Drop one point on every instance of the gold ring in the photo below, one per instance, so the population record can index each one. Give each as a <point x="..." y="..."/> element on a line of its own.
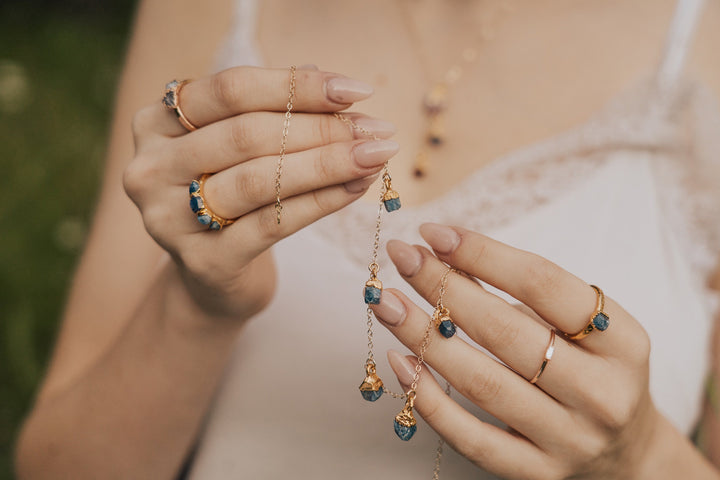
<point x="200" y="207"/>
<point x="171" y="100"/>
<point x="548" y="355"/>
<point x="599" y="320"/>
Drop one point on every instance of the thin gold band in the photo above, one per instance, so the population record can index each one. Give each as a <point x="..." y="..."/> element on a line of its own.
<point x="549" y="351"/>
<point x="172" y="101"/>
<point x="599" y="320"/>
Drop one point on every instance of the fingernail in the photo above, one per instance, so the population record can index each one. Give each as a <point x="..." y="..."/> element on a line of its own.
<point x="381" y="128"/>
<point x="308" y="66"/>
<point x="406" y="258"/>
<point x="390" y="309"/>
<point x="441" y="238"/>
<point x="347" y="90"/>
<point x="361" y="184"/>
<point x="374" y="153"/>
<point x="402" y="367"/>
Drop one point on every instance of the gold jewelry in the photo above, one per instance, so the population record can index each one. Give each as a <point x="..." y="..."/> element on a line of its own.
<point x="548" y="355"/>
<point x="200" y="207"/>
<point x="435" y="100"/>
<point x="283" y="142"/>
<point x="171" y="100"/>
<point x="599" y="320"/>
<point x="405" y="424"/>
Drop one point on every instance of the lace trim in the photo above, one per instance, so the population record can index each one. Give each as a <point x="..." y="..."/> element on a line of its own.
<point x="510" y="186"/>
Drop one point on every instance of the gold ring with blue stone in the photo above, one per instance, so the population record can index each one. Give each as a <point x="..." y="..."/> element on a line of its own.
<point x="599" y="320"/>
<point x="171" y="100"/>
<point x="200" y="207"/>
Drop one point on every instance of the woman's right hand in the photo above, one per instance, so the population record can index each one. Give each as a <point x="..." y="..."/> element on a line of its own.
<point x="239" y="114"/>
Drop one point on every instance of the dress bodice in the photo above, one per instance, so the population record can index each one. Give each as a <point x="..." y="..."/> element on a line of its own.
<point x="629" y="201"/>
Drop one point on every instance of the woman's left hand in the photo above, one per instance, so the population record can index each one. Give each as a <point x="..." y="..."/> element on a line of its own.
<point x="589" y="415"/>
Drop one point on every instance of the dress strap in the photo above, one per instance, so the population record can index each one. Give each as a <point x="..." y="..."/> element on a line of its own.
<point x="677" y="42"/>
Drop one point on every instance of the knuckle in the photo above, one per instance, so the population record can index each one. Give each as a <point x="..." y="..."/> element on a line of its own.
<point x="483" y="387"/>
<point x="325" y="162"/>
<point x="479" y="254"/>
<point x="251" y="186"/>
<point x="229" y="86"/>
<point x="242" y="133"/>
<point x="542" y="276"/>
<point x="142" y="121"/>
<point x="267" y="226"/>
<point x="137" y="177"/>
<point x="500" y="330"/>
<point x="323" y="128"/>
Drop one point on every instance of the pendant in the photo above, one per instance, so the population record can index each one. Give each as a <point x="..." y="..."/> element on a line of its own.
<point x="444" y="323"/>
<point x="405" y="423"/>
<point x="372" y="387"/>
<point x="436" y="131"/>
<point x="391" y="199"/>
<point x="421" y="164"/>
<point x="373" y="291"/>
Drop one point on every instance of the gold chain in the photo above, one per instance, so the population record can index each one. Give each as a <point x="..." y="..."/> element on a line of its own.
<point x="283" y="142"/>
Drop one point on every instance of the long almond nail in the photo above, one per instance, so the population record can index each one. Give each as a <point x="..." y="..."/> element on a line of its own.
<point x="374" y="153"/>
<point x="406" y="258"/>
<point x="441" y="238"/>
<point x="347" y="90"/>
<point x="402" y="367"/>
<point x="390" y="309"/>
<point x="361" y="184"/>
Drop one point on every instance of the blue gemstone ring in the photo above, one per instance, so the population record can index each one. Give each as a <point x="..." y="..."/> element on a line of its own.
<point x="200" y="207"/>
<point x="171" y="99"/>
<point x="599" y="320"/>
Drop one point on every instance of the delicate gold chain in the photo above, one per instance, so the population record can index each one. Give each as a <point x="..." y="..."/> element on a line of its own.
<point x="283" y="142"/>
<point x="441" y="443"/>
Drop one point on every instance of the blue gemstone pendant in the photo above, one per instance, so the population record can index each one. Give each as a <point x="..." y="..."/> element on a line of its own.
<point x="373" y="291"/>
<point x="405" y="423"/>
<point x="391" y="200"/>
<point x="372" y="387"/>
<point x="447" y="328"/>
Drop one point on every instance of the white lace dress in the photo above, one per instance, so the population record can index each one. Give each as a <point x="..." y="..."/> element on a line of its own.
<point x="629" y="201"/>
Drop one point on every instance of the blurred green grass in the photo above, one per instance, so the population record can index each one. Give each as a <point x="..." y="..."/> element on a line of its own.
<point x="59" y="64"/>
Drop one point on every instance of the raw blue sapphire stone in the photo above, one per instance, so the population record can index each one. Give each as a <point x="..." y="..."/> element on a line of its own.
<point x="447" y="328"/>
<point x="196" y="204"/>
<point x="392" y="204"/>
<point x="601" y="321"/>
<point x="372" y="295"/>
<point x="405" y="433"/>
<point x="205" y="219"/>
<point x="214" y="226"/>
<point x="372" y="395"/>
<point x="194" y="186"/>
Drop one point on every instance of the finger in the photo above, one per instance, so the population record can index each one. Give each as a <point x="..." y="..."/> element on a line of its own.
<point x="250" y="185"/>
<point x="248" y="89"/>
<point x="233" y="141"/>
<point x="560" y="298"/>
<point x="516" y="339"/>
<point x="486" y="445"/>
<point x="487" y="383"/>
<point x="255" y="232"/>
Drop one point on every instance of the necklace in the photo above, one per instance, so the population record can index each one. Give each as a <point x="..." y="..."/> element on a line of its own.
<point x="435" y="100"/>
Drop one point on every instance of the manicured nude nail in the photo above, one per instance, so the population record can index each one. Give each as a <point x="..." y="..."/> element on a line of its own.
<point x="374" y="153"/>
<point x="347" y="90"/>
<point x="390" y="309"/>
<point x="381" y="128"/>
<point x="402" y="367"/>
<point x="406" y="258"/>
<point x="361" y="184"/>
<point x="441" y="238"/>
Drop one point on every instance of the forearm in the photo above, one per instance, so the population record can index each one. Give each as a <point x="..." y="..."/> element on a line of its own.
<point x="135" y="412"/>
<point x="674" y="456"/>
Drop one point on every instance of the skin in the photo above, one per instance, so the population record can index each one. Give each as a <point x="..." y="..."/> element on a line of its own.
<point x="155" y="335"/>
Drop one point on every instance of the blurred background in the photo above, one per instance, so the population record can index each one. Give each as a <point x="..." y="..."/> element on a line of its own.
<point x="59" y="62"/>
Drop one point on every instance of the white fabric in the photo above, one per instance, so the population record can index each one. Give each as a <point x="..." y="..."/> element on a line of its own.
<point x="624" y="201"/>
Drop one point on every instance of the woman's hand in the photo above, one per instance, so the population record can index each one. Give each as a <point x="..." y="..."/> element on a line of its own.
<point x="240" y="115"/>
<point x="589" y="415"/>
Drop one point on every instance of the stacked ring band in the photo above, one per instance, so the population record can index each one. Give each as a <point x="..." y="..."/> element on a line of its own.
<point x="599" y="320"/>
<point x="171" y="100"/>
<point x="200" y="207"/>
<point x="548" y="355"/>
